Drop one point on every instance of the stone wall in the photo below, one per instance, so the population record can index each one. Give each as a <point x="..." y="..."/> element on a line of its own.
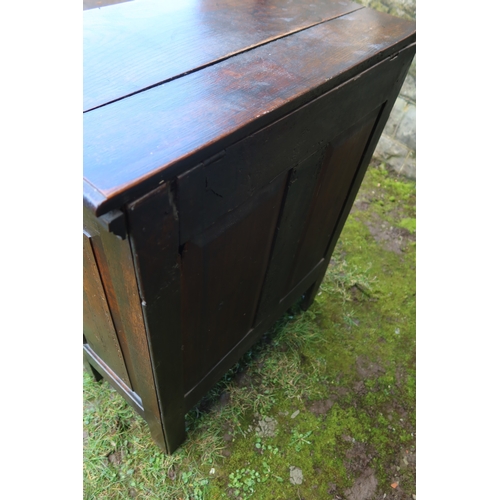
<point x="397" y="146"/>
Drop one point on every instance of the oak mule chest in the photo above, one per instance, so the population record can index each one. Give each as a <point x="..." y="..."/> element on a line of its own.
<point x="224" y="143"/>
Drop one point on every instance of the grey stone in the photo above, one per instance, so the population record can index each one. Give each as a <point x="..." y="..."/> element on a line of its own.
<point x="409" y="89"/>
<point x="296" y="476"/>
<point x="413" y="68"/>
<point x="409" y="168"/>
<point x="397" y="145"/>
<point x="266" y="427"/>
<point x="406" y="132"/>
<point x="395" y="117"/>
<point x="391" y="152"/>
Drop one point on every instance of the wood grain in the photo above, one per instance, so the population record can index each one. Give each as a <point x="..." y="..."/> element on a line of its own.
<point x="98" y="325"/>
<point x="223" y="182"/>
<point x="222" y="274"/>
<point x="342" y="158"/>
<point x="308" y="286"/>
<point x="153" y="229"/>
<point x="114" y="259"/>
<point x="298" y="199"/>
<point x="136" y="45"/>
<point x="98" y="365"/>
<point x="131" y="145"/>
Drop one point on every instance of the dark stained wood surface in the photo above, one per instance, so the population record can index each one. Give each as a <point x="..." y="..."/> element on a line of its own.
<point x="96" y="363"/>
<point x="404" y="60"/>
<point x="153" y="228"/>
<point x="136" y="45"/>
<point x="133" y="144"/>
<point x="341" y="162"/>
<point x="114" y="260"/>
<point x="301" y="185"/>
<point x="107" y="262"/>
<point x="98" y="328"/>
<point x="230" y="140"/>
<point x="193" y="396"/>
<point x="223" y="182"/>
<point x="222" y="273"/>
<point x="385" y="82"/>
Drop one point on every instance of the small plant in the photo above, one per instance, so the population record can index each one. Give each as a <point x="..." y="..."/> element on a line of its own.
<point x="195" y="488"/>
<point x="269" y="448"/>
<point x="300" y="439"/>
<point x="267" y="472"/>
<point x="243" y="482"/>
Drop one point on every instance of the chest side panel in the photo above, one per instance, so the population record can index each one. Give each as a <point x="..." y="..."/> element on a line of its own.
<point x="98" y="327"/>
<point x="114" y="261"/>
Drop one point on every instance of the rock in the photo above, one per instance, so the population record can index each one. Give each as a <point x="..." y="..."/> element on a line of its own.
<point x="395" y="117"/>
<point x="116" y="457"/>
<point x="406" y="132"/>
<point x="409" y="89"/>
<point x="296" y="476"/>
<point x="409" y="168"/>
<point x="391" y="152"/>
<point x="266" y="427"/>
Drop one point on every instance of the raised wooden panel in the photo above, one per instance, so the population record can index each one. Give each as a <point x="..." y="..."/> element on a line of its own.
<point x="98" y="327"/>
<point x="222" y="274"/>
<point x="298" y="197"/>
<point x="317" y="190"/>
<point x="342" y="158"/>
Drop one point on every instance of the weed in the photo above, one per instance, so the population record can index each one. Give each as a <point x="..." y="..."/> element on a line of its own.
<point x="299" y="439"/>
<point x="243" y="482"/>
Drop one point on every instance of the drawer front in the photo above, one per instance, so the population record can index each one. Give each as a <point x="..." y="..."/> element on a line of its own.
<point x="98" y="329"/>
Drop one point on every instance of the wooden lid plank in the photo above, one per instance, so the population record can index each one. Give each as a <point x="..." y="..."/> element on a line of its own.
<point x="135" y="45"/>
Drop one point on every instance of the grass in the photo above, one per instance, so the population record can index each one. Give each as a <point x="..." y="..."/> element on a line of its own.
<point x="329" y="391"/>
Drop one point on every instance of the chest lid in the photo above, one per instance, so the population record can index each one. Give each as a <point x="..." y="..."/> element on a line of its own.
<point x="136" y="45"/>
<point x="164" y="81"/>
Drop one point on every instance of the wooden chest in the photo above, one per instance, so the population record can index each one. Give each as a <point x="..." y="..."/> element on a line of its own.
<point x="224" y="145"/>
